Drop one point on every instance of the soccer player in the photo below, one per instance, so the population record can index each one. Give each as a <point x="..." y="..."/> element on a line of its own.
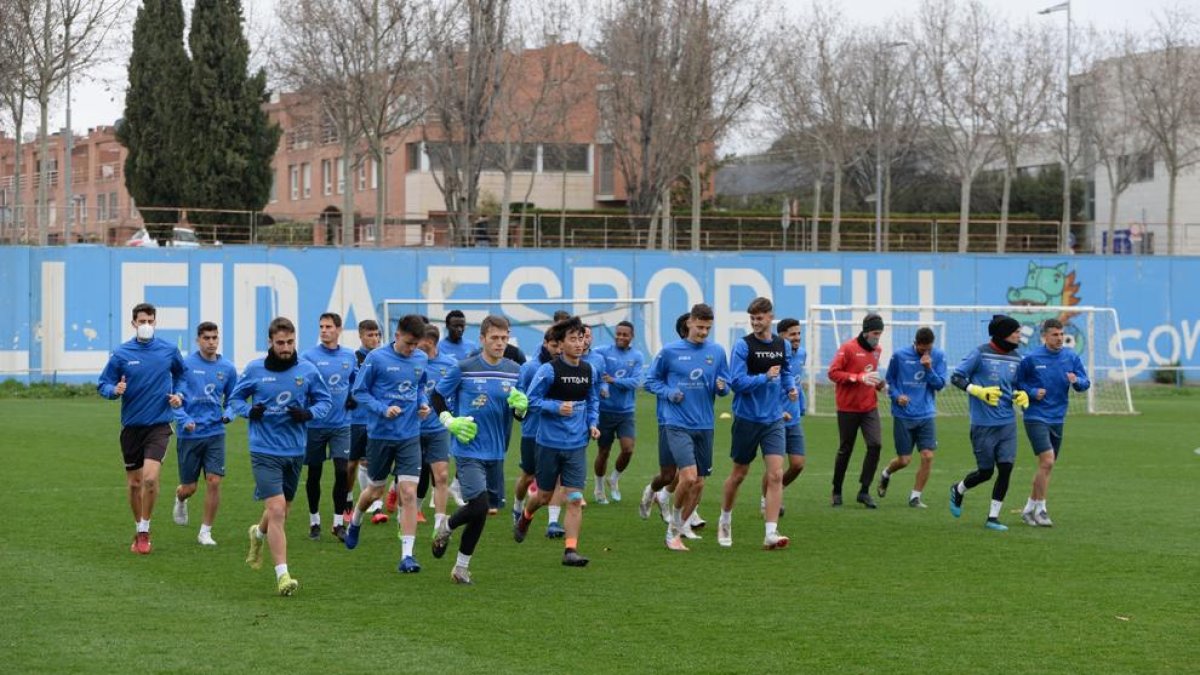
<point x="391" y="385"/>
<point x="476" y="402"/>
<point x="279" y="394"/>
<point x="989" y="375"/>
<point x="551" y="346"/>
<point x="200" y="423"/>
<point x="914" y="377"/>
<point x="687" y="376"/>
<point x="454" y="345"/>
<point x="368" y="339"/>
<point x="435" y="439"/>
<point x="656" y="491"/>
<point x="565" y="392"/>
<point x="1050" y="372"/>
<point x="337" y="366"/>
<point x="147" y="374"/>
<point x="620" y="381"/>
<point x="855" y="374"/>
<point x="761" y="370"/>
<point x="793" y="411"/>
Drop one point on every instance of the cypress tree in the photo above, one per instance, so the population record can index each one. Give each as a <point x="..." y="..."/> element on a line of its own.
<point x="156" y="115"/>
<point x="232" y="140"/>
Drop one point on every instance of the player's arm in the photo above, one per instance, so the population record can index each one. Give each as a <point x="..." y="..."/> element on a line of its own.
<point x="893" y="377"/>
<point x="1082" y="381"/>
<point x="227" y="395"/>
<point x="181" y="415"/>
<point x="112" y="375"/>
<point x="242" y="394"/>
<point x="786" y="382"/>
<point x="445" y="390"/>
<point x="723" y="375"/>
<point x="742" y="381"/>
<point x="362" y="389"/>
<point x="320" y="401"/>
<point x="178" y="374"/>
<point x="961" y="377"/>
<point x="593" y="402"/>
<point x="633" y="378"/>
<point x="540" y="387"/>
<point x="656" y="377"/>
<point x="837" y="369"/>
<point x="935" y="377"/>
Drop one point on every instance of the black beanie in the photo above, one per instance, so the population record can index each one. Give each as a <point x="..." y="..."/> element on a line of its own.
<point x="872" y="322"/>
<point x="1001" y="326"/>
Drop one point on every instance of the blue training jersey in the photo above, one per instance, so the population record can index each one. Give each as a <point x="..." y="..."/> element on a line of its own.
<point x="529" y="425"/>
<point x="456" y="351"/>
<point x="299" y="386"/>
<point x="798" y="407"/>
<point x="388" y="379"/>
<point x="684" y="368"/>
<point x="337" y="367"/>
<point x="439" y="366"/>
<point x="625" y="366"/>
<point x="756" y="397"/>
<point x="988" y="367"/>
<point x="480" y="390"/>
<point x="360" y="415"/>
<point x="153" y="370"/>
<point x="906" y="375"/>
<point x="208" y="391"/>
<point x="1046" y="369"/>
<point x="553" y="384"/>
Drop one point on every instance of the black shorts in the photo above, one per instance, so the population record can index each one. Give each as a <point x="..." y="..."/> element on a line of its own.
<point x="139" y="444"/>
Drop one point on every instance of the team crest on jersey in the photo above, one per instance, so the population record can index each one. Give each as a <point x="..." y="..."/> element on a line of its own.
<point x="506" y="387"/>
<point x="479" y="401"/>
<point x="417" y="371"/>
<point x="708" y="360"/>
<point x="300" y="381"/>
<point x="345" y="365"/>
<point x="220" y="375"/>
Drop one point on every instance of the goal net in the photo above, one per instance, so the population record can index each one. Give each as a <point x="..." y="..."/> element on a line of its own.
<point x="529" y="318"/>
<point x="1091" y="331"/>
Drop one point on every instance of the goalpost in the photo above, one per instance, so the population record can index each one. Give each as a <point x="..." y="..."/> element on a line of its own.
<point x="530" y="318"/>
<point x="1091" y="331"/>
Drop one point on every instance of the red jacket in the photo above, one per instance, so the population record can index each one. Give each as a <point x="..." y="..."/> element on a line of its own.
<point x="847" y="369"/>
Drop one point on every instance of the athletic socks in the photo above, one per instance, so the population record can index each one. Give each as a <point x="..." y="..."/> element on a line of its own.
<point x="143" y="526"/>
<point x="439" y="518"/>
<point x="961" y="488"/>
<point x="1030" y="506"/>
<point x="338" y="520"/>
<point x="259" y="534"/>
<point x="726" y="516"/>
<point x="614" y="476"/>
<point x="772" y="528"/>
<point x="916" y="494"/>
<point x="406" y="545"/>
<point x="677" y="517"/>
<point x="886" y="474"/>
<point x="463" y="560"/>
<point x="314" y="519"/>
<point x="356" y="517"/>
<point x="554" y="511"/>
<point x="280" y="570"/>
<point x="205" y="529"/>
<point x="518" y="505"/>
<point x="994" y="512"/>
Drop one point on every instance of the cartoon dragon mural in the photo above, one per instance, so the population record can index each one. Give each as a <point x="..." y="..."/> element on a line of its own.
<point x="1048" y="286"/>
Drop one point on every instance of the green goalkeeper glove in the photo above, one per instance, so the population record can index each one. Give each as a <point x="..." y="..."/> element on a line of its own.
<point x="518" y="401"/>
<point x="1021" y="398"/>
<point x="462" y="428"/>
<point x="989" y="395"/>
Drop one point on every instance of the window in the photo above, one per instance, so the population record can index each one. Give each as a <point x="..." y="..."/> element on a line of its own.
<point x="101" y="207"/>
<point x="517" y="156"/>
<point x="306" y="173"/>
<point x="374" y="174"/>
<point x="112" y="206"/>
<point x="341" y="175"/>
<point x="608" y="169"/>
<point x="1139" y="168"/>
<point x="572" y="157"/>
<point x="362" y="173"/>
<point x="294" y="171"/>
<point x="327" y="176"/>
<point x="412" y="157"/>
<point x="274" y="196"/>
<point x="440" y="152"/>
<point x="81" y="203"/>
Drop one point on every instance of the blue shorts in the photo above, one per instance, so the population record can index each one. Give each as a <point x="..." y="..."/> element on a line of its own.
<point x="275" y="475"/>
<point x="665" y="458"/>
<point x="194" y="453"/>
<point x="568" y="467"/>
<point x="337" y="439"/>
<point x="994" y="445"/>
<point x="1044" y="436"/>
<point x="435" y="447"/>
<point x="748" y="437"/>
<point x="909" y="434"/>
<point x="358" y="442"/>
<point x="794" y="439"/>
<point x="472" y="475"/>
<point x="614" y="425"/>
<point x="691" y="447"/>
<point x="495" y="484"/>
<point x="382" y="454"/>
<point x="528" y="455"/>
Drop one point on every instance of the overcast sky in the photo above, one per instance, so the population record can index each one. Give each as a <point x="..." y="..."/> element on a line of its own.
<point x="99" y="99"/>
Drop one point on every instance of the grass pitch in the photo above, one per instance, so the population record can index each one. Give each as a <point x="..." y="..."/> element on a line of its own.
<point x="1112" y="588"/>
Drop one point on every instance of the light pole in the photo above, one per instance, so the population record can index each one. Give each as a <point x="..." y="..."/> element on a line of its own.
<point x="1064" y="234"/>
<point x="879" y="143"/>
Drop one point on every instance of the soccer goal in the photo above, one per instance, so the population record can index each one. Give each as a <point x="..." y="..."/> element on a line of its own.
<point x="530" y="318"/>
<point x="1091" y="331"/>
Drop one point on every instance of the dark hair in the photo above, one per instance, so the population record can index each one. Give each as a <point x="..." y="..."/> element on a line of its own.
<point x="143" y="308"/>
<point x="760" y="306"/>
<point x="701" y="312"/>
<point x="492" y="321"/>
<point x="1051" y="323"/>
<point x="432" y="333"/>
<point x="681" y="328"/>
<point x="561" y="315"/>
<point x="924" y="336"/>
<point x="626" y="324"/>
<point x="280" y="324"/>
<point x="561" y="329"/>
<point x="411" y="324"/>
<point x="548" y="336"/>
<point x="368" y="325"/>
<point x="205" y="327"/>
<point x="332" y="316"/>
<point x="786" y="324"/>
<point x="454" y="314"/>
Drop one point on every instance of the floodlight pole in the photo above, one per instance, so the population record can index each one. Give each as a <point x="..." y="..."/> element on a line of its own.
<point x="1064" y="234"/>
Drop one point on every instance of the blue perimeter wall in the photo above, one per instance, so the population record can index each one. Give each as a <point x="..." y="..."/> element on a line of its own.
<point x="63" y="309"/>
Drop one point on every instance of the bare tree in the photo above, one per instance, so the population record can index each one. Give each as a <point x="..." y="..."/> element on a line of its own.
<point x="1022" y="84"/>
<point x="1164" y="85"/>
<point x="955" y="40"/>
<point x="14" y="64"/>
<point x="462" y="87"/>
<point x="61" y="37"/>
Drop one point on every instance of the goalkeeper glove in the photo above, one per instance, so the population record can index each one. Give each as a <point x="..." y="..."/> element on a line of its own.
<point x="871" y="378"/>
<point x="518" y="401"/>
<point x="462" y="428"/>
<point x="989" y="395"/>
<point x="1021" y="398"/>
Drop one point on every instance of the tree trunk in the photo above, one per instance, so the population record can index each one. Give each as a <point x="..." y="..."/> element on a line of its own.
<point x="1064" y="234"/>
<point x="380" y="195"/>
<point x="652" y="233"/>
<point x="887" y="206"/>
<point x="696" y="198"/>
<point x="347" y="191"/>
<point x="18" y="197"/>
<point x="1005" y="194"/>
<point x="562" y="210"/>
<point x="1113" y="198"/>
<point x="505" y="209"/>
<point x="668" y="226"/>
<point x="524" y="202"/>
<point x="835" y="224"/>
<point x="43" y="203"/>
<point x="816" y="217"/>
<point x="1172" y="180"/>
<point x="964" y="212"/>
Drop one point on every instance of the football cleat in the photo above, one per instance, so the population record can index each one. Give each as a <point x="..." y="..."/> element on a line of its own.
<point x="441" y="541"/>
<point x="1029" y="519"/>
<point x="555" y="531"/>
<point x="883" y="485"/>
<point x="956" y="501"/>
<point x="408" y="565"/>
<point x="866" y="500"/>
<point x="286" y="585"/>
<point x="1043" y="519"/>
<point x="644" y="504"/>
<point x="254" y="555"/>
<point x="205" y="539"/>
<point x="461" y="575"/>
<point x="351" y="539"/>
<point x="775" y="541"/>
<point x="725" y="534"/>
<point x="573" y="559"/>
<point x="614" y="490"/>
<point x="995" y="524"/>
<point x="380" y="517"/>
<point x="339" y="531"/>
<point x="916" y="503"/>
<point x="676" y="544"/>
<point x="180" y="512"/>
<point x="314" y="531"/>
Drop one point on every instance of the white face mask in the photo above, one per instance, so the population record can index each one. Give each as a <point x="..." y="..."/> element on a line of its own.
<point x="873" y="341"/>
<point x="145" y="332"/>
